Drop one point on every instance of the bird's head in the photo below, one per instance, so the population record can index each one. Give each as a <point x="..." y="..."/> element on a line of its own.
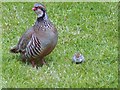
<point x="39" y="9"/>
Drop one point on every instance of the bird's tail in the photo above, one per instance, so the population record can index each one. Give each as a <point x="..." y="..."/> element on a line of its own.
<point x="14" y="50"/>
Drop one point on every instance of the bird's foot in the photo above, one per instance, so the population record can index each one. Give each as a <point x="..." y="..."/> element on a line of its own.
<point x="43" y="62"/>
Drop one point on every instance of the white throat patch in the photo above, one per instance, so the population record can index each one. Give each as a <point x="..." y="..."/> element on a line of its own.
<point x="39" y="12"/>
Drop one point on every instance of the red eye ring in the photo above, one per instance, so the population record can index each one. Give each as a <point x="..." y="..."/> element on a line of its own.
<point x="39" y="7"/>
<point x="35" y="8"/>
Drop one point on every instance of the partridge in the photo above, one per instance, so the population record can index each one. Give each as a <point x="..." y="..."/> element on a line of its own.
<point x="78" y="58"/>
<point x="39" y="40"/>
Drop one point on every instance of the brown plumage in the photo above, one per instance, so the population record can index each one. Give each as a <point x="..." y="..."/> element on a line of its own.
<point x="39" y="40"/>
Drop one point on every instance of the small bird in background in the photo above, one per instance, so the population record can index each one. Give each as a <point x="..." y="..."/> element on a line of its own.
<point x="38" y="41"/>
<point x="78" y="58"/>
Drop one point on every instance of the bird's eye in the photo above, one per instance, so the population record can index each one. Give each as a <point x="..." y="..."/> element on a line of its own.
<point x="39" y="7"/>
<point x="36" y="7"/>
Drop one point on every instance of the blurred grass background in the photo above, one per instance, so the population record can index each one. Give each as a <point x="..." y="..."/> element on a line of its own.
<point x="88" y="27"/>
<point x="0" y="46"/>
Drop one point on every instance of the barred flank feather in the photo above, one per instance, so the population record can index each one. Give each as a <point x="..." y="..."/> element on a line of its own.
<point x="33" y="48"/>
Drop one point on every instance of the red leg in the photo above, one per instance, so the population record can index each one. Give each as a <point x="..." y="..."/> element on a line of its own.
<point x="33" y="63"/>
<point x="43" y="62"/>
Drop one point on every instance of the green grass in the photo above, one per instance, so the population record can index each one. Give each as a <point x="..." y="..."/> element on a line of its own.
<point x="90" y="28"/>
<point x="0" y="46"/>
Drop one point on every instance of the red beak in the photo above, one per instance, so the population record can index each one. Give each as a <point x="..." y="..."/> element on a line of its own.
<point x="34" y="8"/>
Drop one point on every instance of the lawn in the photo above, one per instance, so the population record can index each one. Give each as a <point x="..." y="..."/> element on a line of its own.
<point x="90" y="28"/>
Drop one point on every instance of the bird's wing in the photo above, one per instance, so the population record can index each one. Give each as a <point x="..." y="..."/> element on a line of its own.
<point x="24" y="40"/>
<point x="33" y="48"/>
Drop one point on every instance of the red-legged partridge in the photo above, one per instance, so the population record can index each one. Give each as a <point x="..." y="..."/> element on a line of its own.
<point x="39" y="40"/>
